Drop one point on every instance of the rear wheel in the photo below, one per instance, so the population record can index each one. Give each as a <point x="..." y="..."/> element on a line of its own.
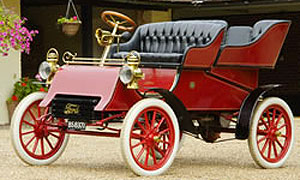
<point x="35" y="138"/>
<point x="150" y="137"/>
<point x="271" y="135"/>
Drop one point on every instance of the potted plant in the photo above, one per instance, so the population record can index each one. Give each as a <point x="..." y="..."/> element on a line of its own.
<point x="70" y="26"/>
<point x="13" y="33"/>
<point x="22" y="88"/>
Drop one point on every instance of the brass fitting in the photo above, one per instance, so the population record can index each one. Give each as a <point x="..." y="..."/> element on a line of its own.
<point x="104" y="38"/>
<point x="52" y="59"/>
<point x="133" y="61"/>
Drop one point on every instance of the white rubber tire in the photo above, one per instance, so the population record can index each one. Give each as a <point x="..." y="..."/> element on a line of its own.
<point x="252" y="140"/>
<point x="125" y="136"/>
<point x="15" y="133"/>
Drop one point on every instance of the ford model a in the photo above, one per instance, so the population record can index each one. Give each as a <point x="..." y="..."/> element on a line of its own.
<point x="194" y="77"/>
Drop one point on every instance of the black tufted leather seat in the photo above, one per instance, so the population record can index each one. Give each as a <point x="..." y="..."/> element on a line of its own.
<point x="167" y="42"/>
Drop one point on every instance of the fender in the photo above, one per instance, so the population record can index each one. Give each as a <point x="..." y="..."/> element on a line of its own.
<point x="184" y="118"/>
<point x="248" y="108"/>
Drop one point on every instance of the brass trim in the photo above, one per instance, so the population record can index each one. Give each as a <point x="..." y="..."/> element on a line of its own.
<point x="70" y="58"/>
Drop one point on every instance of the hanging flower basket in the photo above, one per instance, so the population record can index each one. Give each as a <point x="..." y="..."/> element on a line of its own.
<point x="70" y="26"/>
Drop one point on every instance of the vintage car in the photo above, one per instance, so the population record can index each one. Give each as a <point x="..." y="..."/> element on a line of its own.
<point x="195" y="77"/>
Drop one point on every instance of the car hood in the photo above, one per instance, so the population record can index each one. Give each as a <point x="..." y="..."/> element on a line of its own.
<point x="82" y="80"/>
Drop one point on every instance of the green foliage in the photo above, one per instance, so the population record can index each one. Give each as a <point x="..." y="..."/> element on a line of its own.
<point x="63" y="20"/>
<point x="24" y="87"/>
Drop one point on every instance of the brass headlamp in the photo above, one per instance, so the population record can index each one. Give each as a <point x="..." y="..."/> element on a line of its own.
<point x="131" y="73"/>
<point x="49" y="67"/>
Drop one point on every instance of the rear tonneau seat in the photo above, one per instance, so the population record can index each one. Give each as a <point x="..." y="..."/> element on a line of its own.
<point x="257" y="46"/>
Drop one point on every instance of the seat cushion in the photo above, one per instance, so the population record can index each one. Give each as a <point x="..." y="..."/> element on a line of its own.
<point x="154" y="57"/>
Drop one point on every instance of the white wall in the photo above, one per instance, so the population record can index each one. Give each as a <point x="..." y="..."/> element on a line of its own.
<point x="10" y="70"/>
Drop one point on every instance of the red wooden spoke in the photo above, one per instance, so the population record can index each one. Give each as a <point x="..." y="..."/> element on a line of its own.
<point x="147" y="156"/>
<point x="28" y="123"/>
<point x="275" y="149"/>
<point x="278" y="142"/>
<point x="35" y="144"/>
<point x="39" y="110"/>
<point x="164" y="145"/>
<point x="49" y="143"/>
<point x="262" y="132"/>
<point x="153" y="155"/>
<point x="140" y="153"/>
<point x="268" y="117"/>
<point x="160" y="123"/>
<point x="136" y="136"/>
<point x="278" y="119"/>
<point x="270" y="148"/>
<point x="32" y="116"/>
<point x="261" y="140"/>
<point x="264" y="123"/>
<point x="42" y="147"/>
<point x="147" y="125"/>
<point x="141" y="126"/>
<point x="27" y="144"/>
<point x="153" y="119"/>
<point x="274" y="115"/>
<point x="54" y="135"/>
<point x="282" y="126"/>
<point x="136" y="145"/>
<point x="159" y="150"/>
<point x="50" y="119"/>
<point x="265" y="145"/>
<point x="284" y="136"/>
<point x="28" y="132"/>
<point x="165" y="142"/>
<point x="163" y="131"/>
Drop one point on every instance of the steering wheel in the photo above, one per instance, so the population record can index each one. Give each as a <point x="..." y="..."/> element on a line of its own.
<point x="113" y="18"/>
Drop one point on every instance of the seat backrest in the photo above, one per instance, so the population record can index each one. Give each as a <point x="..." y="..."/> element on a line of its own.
<point x="175" y="37"/>
<point x="238" y="35"/>
<point x="262" y="26"/>
<point x="244" y="35"/>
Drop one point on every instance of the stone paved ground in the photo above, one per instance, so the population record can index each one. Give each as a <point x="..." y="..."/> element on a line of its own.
<point x="100" y="158"/>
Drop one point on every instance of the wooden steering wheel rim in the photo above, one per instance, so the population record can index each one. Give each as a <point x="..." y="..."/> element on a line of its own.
<point x="104" y="17"/>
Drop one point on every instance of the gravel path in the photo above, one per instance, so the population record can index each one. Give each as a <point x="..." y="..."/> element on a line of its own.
<point x="100" y="158"/>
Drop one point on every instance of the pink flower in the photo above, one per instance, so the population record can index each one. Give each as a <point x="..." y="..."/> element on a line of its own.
<point x="38" y="77"/>
<point x="75" y="18"/>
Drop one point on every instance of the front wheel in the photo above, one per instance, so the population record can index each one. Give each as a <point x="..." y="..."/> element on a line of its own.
<point x="36" y="136"/>
<point x="271" y="135"/>
<point x="150" y="137"/>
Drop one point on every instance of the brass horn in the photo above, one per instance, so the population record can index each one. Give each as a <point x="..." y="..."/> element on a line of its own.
<point x="104" y="38"/>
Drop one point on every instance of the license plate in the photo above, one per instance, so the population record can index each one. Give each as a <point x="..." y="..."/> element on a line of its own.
<point x="76" y="125"/>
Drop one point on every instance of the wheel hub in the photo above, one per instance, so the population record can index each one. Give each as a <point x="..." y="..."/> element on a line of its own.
<point x="151" y="140"/>
<point x="41" y="131"/>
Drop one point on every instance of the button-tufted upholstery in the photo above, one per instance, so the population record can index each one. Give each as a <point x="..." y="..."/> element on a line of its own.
<point x="168" y="41"/>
